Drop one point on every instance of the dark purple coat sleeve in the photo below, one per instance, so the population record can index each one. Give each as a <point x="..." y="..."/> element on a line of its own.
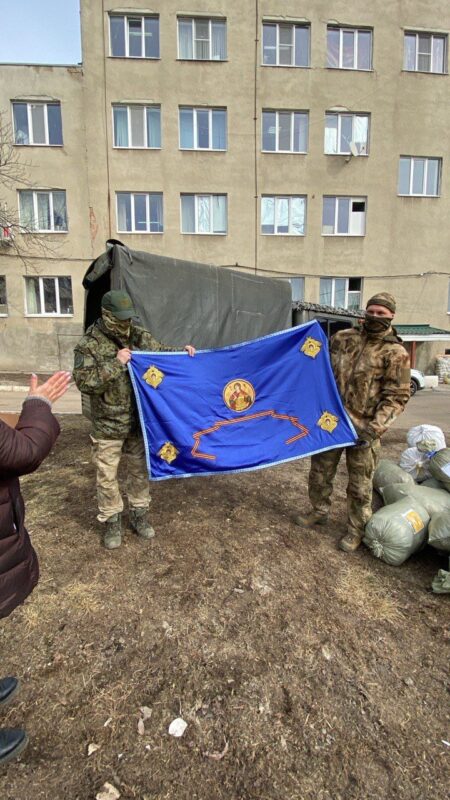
<point x="22" y="449"/>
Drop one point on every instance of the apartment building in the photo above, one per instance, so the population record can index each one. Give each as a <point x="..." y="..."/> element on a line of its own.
<point x="302" y="140"/>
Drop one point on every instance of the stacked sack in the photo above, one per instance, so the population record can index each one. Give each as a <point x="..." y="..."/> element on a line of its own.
<point x="413" y="514"/>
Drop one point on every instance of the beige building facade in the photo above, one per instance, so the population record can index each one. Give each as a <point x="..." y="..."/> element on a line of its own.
<point x="301" y="140"/>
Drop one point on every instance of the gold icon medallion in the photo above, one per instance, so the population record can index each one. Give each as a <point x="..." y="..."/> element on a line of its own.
<point x="239" y="395"/>
<point x="311" y="347"/>
<point x="153" y="376"/>
<point x="328" y="422"/>
<point x="168" y="452"/>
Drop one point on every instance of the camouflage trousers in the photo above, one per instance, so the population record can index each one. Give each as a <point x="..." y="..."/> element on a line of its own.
<point x="361" y="463"/>
<point x="106" y="455"/>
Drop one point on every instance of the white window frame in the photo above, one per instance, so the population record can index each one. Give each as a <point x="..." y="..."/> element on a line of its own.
<point x="50" y="192"/>
<point x="356" y="31"/>
<point x="41" y="278"/>
<point x="347" y="292"/>
<point x="144" y="108"/>
<point x="195" y="110"/>
<point x="336" y="213"/>
<point x="293" y="26"/>
<point x="31" y="143"/>
<point x="433" y="36"/>
<point x="4" y="313"/>
<point x="277" y="132"/>
<point x="425" y="176"/>
<point x="197" y="197"/>
<point x="340" y="115"/>
<point x="127" y="18"/>
<point x="289" y="197"/>
<point x="192" y="20"/>
<point x="147" y="196"/>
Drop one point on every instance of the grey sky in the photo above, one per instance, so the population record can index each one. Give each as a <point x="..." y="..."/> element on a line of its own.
<point x="40" y="31"/>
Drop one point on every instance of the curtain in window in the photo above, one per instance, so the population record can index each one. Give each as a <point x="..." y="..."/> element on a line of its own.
<point x="286" y="44"/>
<point x="282" y="215"/>
<point x="186" y="128"/>
<point x="438" y="54"/>
<point x="418" y="175"/>
<point x="269" y="122"/>
<point x="332" y="47"/>
<point x="121" y="126"/>
<point x="300" y="133"/>
<point x="154" y="127"/>
<point x="409" y="61"/>
<point x="361" y="133"/>
<point x="38" y="123"/>
<point x="65" y="295"/>
<point x="26" y="210"/>
<point x="43" y="211"/>
<point x="21" y="123"/>
<point x="364" y="49"/>
<point x="156" y="213"/>
<point x="297" y="216"/>
<point x="328" y="214"/>
<point x="424" y="61"/>
<point x="269" y="44"/>
<point x="346" y="134"/>
<point x="301" y="46"/>
<point x="137" y="126"/>
<point x="219" y="130"/>
<point x="135" y="38"/>
<point x="404" y="175"/>
<point x="123" y="211"/>
<point x="268" y="215"/>
<point x="432" y="187"/>
<point x="203" y="214"/>
<point x="325" y="290"/>
<point x="185" y="38"/>
<point x="284" y="130"/>
<point x="59" y="211"/>
<point x="297" y="287"/>
<point x="202" y="129"/>
<point x="33" y="296"/>
<point x="343" y="214"/>
<point x="331" y="128"/>
<point x="219" y="208"/>
<point x="49" y="285"/>
<point x="151" y="37"/>
<point x="117" y="33"/>
<point x="201" y="39"/>
<point x="188" y="213"/>
<point x="348" y="49"/>
<point x="339" y="292"/>
<point x="140" y="213"/>
<point x="219" y="41"/>
<point x="54" y="124"/>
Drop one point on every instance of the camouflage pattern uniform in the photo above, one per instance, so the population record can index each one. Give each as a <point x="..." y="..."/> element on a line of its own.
<point x="373" y="377"/>
<point x="116" y="429"/>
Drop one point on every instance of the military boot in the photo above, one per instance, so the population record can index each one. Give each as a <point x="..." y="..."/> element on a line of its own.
<point x="309" y="520"/>
<point x="351" y="541"/>
<point x="112" y="537"/>
<point x="140" y="524"/>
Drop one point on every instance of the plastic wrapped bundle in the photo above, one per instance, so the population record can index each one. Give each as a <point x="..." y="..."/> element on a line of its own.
<point x="439" y="531"/>
<point x="417" y="464"/>
<point x="433" y="500"/>
<point x="397" y="531"/>
<point x="427" y="438"/>
<point x="440" y="467"/>
<point x="387" y="472"/>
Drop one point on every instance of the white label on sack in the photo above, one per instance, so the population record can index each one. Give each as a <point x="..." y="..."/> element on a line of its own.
<point x="414" y="520"/>
<point x="446" y="470"/>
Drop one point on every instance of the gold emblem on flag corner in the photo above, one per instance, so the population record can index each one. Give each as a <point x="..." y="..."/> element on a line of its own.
<point x="328" y="421"/>
<point x="168" y="452"/>
<point x="239" y="395"/>
<point x="153" y="376"/>
<point x="311" y="347"/>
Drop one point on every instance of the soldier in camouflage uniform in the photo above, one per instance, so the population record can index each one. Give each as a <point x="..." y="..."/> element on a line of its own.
<point x="372" y="373"/>
<point x="100" y="370"/>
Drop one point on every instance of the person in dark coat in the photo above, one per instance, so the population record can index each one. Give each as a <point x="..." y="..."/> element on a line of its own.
<point x="22" y="449"/>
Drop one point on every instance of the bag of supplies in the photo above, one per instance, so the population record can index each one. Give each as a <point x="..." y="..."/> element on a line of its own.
<point x="397" y="531"/>
<point x="387" y="473"/>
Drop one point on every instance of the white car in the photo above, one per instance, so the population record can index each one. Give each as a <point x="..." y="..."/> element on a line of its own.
<point x="417" y="381"/>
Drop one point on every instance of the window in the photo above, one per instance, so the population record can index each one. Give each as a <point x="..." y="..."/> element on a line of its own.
<point x="3" y="298"/>
<point x="285" y="45"/>
<point x="420" y="177"/>
<point x="344" y="216"/>
<point x="283" y="215"/>
<point x="343" y="129"/>
<point x="204" y="213"/>
<point x="341" y="292"/>
<point x="448" y="300"/>
<point x="297" y="288"/>
<point x="140" y="212"/>
<point x="137" y="126"/>
<point x="134" y="36"/>
<point x="43" y="211"/>
<point x="37" y="123"/>
<point x="202" y="39"/>
<point x="48" y="297"/>
<point x="203" y="128"/>
<point x="349" y="48"/>
<point x="425" y="52"/>
<point x="285" y="131"/>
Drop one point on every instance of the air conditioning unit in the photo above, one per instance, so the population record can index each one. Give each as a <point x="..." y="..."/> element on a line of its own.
<point x="6" y="234"/>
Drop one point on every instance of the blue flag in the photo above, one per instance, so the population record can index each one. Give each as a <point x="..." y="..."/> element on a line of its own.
<point x="241" y="407"/>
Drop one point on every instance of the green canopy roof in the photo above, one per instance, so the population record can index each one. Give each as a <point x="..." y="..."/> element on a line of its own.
<point x="420" y="330"/>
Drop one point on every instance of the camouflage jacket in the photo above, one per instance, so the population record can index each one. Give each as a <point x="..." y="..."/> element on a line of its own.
<point x="98" y="373"/>
<point x="373" y="377"/>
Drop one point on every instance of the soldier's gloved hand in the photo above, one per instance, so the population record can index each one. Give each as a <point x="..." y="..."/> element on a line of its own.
<point x="124" y="355"/>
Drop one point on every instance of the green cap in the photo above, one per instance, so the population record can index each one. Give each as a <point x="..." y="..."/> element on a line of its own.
<point x="119" y="303"/>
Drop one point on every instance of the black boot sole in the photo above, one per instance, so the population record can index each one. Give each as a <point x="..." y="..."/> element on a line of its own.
<point x="15" y="752"/>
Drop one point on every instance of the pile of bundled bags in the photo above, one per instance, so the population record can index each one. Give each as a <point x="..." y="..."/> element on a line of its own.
<point x="416" y="498"/>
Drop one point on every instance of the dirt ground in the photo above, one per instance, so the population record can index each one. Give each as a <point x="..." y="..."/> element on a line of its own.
<point x="303" y="673"/>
